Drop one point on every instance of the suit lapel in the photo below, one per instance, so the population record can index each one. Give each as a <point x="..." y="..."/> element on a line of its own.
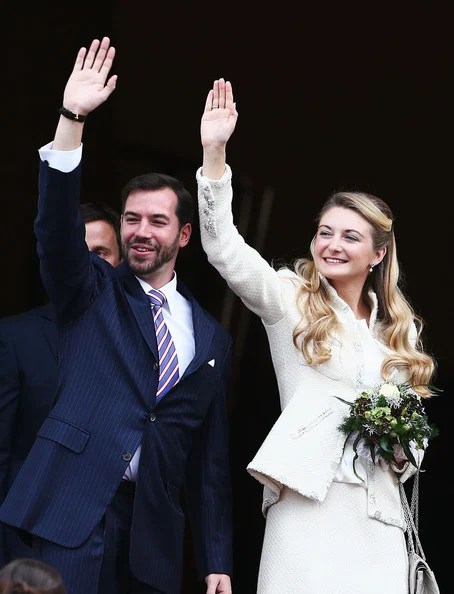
<point x="140" y="306"/>
<point x="203" y="331"/>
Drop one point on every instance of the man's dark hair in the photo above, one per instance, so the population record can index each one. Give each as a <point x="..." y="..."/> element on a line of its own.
<point x="158" y="181"/>
<point x="100" y="211"/>
<point x="31" y="576"/>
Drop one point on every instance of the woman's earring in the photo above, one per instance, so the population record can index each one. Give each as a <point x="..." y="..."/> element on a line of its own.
<point x="371" y="267"/>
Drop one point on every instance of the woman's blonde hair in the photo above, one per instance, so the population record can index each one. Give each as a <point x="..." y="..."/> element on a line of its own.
<point x="395" y="317"/>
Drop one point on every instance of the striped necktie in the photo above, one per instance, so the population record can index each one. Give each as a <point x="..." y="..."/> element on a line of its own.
<point x="168" y="360"/>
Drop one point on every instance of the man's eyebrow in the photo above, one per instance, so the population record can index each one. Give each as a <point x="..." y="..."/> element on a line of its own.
<point x="156" y="215"/>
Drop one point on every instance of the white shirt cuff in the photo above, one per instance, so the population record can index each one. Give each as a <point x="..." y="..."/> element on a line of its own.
<point x="64" y="161"/>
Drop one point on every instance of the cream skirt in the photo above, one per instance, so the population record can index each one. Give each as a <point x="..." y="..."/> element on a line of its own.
<point x="331" y="547"/>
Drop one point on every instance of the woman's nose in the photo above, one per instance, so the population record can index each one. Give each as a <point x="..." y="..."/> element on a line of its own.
<point x="334" y="246"/>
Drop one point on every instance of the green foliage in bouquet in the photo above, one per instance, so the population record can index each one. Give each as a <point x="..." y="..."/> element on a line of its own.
<point x="385" y="417"/>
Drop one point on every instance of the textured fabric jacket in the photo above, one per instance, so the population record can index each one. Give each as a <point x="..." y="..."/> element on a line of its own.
<point x="304" y="447"/>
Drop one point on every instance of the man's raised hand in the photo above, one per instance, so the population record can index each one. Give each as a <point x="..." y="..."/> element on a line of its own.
<point x="89" y="84"/>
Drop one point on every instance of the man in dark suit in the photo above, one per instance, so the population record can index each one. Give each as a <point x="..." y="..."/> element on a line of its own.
<point x="133" y="425"/>
<point x="29" y="369"/>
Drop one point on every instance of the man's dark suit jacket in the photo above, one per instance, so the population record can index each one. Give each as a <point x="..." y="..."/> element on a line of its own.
<point x="106" y="406"/>
<point x="28" y="380"/>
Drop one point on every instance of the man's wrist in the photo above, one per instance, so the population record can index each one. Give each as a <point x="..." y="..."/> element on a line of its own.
<point x="72" y="115"/>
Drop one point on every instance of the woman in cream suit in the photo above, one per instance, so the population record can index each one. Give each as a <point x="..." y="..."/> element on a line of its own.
<point x="337" y="323"/>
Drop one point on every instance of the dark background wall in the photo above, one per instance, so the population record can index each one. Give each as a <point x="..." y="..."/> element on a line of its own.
<point x="329" y="97"/>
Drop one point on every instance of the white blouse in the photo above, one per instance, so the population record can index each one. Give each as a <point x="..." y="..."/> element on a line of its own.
<point x="370" y="377"/>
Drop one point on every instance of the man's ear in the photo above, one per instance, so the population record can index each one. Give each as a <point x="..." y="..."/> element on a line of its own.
<point x="185" y="234"/>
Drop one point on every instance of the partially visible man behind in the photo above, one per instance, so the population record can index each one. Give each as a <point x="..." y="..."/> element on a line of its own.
<point x="102" y="231"/>
<point x="29" y="370"/>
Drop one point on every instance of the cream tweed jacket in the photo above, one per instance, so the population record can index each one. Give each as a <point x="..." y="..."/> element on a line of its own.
<point x="304" y="447"/>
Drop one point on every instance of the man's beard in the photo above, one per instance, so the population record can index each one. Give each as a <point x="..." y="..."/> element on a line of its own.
<point x="144" y="268"/>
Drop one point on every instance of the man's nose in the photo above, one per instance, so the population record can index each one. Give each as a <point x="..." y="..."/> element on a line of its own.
<point x="144" y="229"/>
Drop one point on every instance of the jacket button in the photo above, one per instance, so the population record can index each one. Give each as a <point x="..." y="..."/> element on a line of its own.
<point x="152" y="416"/>
<point x="155" y="366"/>
<point x="127" y="456"/>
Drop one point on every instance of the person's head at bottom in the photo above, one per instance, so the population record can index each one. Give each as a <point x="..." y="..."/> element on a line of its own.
<point x="30" y="576"/>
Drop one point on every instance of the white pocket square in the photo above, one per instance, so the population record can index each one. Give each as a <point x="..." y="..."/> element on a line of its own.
<point x="211" y="362"/>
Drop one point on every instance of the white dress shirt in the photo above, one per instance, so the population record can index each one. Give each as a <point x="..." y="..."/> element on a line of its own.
<point x="177" y="314"/>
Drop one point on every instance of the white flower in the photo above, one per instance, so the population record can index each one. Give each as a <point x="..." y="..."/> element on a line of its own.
<point x="390" y="392"/>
